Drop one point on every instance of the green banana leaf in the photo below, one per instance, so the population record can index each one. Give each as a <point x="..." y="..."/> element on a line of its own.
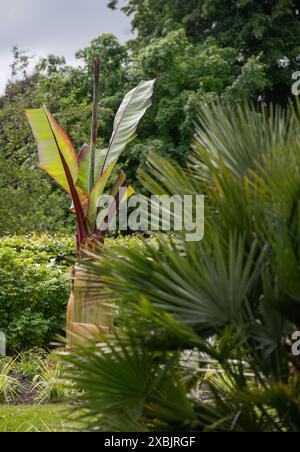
<point x="131" y="111"/>
<point x="51" y="141"/>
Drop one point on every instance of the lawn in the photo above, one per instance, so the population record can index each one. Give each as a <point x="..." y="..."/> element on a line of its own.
<point x="32" y="418"/>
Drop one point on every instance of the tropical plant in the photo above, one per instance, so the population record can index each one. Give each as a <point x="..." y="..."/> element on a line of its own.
<point x="27" y="364"/>
<point x="85" y="178"/>
<point x="225" y="308"/>
<point x="187" y="73"/>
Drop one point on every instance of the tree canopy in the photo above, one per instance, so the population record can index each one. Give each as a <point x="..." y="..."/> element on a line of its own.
<point x="270" y="28"/>
<point x="245" y="50"/>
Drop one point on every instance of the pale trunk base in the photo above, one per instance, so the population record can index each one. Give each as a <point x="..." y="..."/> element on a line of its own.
<point x="88" y="315"/>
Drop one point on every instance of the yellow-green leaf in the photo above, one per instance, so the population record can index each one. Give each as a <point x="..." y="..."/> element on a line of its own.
<point x="84" y="166"/>
<point x="97" y="191"/>
<point x="51" y="139"/>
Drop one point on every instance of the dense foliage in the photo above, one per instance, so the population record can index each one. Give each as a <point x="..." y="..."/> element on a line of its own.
<point x="189" y="70"/>
<point x="28" y="201"/>
<point x="34" y="286"/>
<point x="203" y="330"/>
<point x="204" y="339"/>
<point x="33" y="289"/>
<point x="267" y="28"/>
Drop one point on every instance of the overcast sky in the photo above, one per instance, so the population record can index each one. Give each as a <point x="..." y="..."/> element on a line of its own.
<point x="60" y="27"/>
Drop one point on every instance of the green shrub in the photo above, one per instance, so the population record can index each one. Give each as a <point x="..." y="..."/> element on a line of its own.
<point x="34" y="288"/>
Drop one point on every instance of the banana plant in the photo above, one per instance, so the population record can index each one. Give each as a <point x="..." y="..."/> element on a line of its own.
<point x="85" y="177"/>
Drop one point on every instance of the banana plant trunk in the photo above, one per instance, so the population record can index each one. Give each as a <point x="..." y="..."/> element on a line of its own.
<point x="88" y="313"/>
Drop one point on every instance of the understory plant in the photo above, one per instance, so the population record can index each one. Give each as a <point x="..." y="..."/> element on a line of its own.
<point x="204" y="340"/>
<point x="34" y="293"/>
<point x="85" y="177"/>
<point x="34" y="290"/>
<point x="49" y="384"/>
<point x="9" y="385"/>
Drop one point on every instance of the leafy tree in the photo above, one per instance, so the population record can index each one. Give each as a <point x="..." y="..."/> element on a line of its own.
<point x="187" y="74"/>
<point x="28" y="201"/>
<point x="253" y="27"/>
<point x="172" y="15"/>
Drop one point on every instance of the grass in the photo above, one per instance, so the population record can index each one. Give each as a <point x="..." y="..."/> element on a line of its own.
<point x="32" y="418"/>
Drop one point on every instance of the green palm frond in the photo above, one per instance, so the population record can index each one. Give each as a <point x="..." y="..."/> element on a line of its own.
<point x="203" y="285"/>
<point x="232" y="299"/>
<point x="240" y="137"/>
<point x="124" y="383"/>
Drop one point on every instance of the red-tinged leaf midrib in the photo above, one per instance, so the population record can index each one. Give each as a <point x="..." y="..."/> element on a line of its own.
<point x="59" y="131"/>
<point x="75" y="197"/>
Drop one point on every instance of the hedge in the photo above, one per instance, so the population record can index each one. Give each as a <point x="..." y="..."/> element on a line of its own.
<point x="34" y="287"/>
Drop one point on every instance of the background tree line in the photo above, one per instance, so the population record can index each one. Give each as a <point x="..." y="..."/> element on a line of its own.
<point x="243" y="50"/>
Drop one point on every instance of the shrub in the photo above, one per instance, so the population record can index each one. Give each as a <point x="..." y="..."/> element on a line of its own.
<point x="34" y="286"/>
<point x="33" y="289"/>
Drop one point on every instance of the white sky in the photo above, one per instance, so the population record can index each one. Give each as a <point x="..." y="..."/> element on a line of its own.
<point x="59" y="27"/>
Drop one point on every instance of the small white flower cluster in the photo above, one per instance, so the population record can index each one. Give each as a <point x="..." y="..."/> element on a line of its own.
<point x="52" y="263"/>
<point x="283" y="62"/>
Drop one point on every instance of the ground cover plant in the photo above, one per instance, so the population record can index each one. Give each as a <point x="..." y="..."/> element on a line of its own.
<point x="32" y="418"/>
<point x="33" y="377"/>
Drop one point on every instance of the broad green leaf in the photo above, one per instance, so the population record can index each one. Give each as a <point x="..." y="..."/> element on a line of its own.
<point x="84" y="166"/>
<point x="51" y="140"/>
<point x="97" y="191"/>
<point x="131" y="111"/>
<point x="57" y="157"/>
<point x="99" y="159"/>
